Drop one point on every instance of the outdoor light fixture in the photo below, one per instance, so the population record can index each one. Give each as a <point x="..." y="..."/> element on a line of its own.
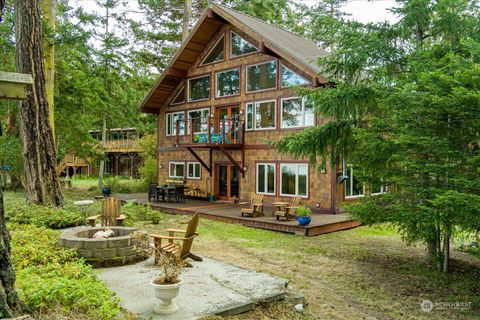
<point x="245" y="169"/>
<point x="160" y="166"/>
<point x="241" y="112"/>
<point x="317" y="205"/>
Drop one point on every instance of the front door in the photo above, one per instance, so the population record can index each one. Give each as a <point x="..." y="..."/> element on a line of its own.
<point x="228" y="118"/>
<point x="227" y="182"/>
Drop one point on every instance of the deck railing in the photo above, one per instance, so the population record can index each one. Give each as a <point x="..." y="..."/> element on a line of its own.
<point x="211" y="131"/>
<point x="121" y="145"/>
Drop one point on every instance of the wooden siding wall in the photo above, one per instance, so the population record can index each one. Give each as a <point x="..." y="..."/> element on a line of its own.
<point x="256" y="150"/>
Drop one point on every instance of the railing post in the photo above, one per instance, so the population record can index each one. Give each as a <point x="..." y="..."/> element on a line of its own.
<point x="209" y="134"/>
<point x="191" y="130"/>
<point x="242" y="130"/>
<point x="223" y="131"/>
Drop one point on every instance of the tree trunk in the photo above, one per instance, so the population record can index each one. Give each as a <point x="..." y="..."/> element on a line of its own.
<point x="446" y="251"/>
<point x="10" y="304"/>
<point x="49" y="13"/>
<point x="39" y="156"/>
<point x="186" y="19"/>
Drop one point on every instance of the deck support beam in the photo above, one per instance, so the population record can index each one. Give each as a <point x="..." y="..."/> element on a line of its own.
<point x="235" y="163"/>
<point x="209" y="169"/>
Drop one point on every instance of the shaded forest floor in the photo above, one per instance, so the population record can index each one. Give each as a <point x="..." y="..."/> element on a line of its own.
<point x="363" y="273"/>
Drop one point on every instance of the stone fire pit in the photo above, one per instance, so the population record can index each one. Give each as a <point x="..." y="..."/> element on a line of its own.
<point x="100" y="252"/>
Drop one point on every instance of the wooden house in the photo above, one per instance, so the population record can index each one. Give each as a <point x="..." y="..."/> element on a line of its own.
<point x="229" y="89"/>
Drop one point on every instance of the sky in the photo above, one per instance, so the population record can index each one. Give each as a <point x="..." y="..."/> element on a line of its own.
<point x="360" y="10"/>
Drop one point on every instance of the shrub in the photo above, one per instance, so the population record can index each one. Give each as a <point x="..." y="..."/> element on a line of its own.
<point x="148" y="171"/>
<point x="52" y="279"/>
<point x="137" y="212"/>
<point x="42" y="216"/>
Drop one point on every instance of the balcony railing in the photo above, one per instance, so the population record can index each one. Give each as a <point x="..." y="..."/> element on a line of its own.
<point x="210" y="131"/>
<point x="121" y="145"/>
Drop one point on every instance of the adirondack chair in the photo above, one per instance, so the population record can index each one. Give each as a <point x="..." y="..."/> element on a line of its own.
<point x="256" y="207"/>
<point x="184" y="244"/>
<point x="110" y="216"/>
<point x="290" y="209"/>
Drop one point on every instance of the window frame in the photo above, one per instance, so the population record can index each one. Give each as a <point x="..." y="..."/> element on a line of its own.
<point x="309" y="83"/>
<point x="257" y="64"/>
<point x="239" y="82"/>
<point x="210" y="51"/>
<point x="174" y="127"/>
<point x="350" y="184"/>
<point x="196" y="110"/>
<point x="303" y="114"/>
<point x="176" y="95"/>
<point x="266" y="164"/>
<point x="199" y="170"/>
<point x="176" y="163"/>
<point x="231" y="46"/>
<point x="255" y="103"/>
<point x="297" y="164"/>
<point x="209" y="75"/>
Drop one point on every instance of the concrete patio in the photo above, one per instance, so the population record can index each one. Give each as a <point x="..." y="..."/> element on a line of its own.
<point x="211" y="287"/>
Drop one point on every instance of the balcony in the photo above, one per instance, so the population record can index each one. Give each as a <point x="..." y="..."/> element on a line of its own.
<point x="210" y="132"/>
<point x="121" y="145"/>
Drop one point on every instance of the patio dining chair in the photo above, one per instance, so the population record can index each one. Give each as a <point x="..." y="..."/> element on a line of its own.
<point x="152" y="192"/>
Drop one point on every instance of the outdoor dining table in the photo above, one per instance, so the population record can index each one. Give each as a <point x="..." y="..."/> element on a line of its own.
<point x="164" y="190"/>
<point x="280" y="205"/>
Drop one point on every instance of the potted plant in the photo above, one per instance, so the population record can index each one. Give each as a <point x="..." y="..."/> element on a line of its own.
<point x="303" y="215"/>
<point x="167" y="284"/>
<point x="107" y="189"/>
<point x="211" y="197"/>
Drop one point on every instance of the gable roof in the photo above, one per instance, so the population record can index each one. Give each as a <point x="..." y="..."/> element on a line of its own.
<point x="287" y="45"/>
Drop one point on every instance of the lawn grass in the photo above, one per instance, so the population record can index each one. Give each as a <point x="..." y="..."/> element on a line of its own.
<point x="362" y="273"/>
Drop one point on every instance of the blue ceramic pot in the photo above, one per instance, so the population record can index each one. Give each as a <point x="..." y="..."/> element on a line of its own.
<point x="304" y="221"/>
<point x="106" y="191"/>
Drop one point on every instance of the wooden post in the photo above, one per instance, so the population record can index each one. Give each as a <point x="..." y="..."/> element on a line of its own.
<point x="177" y="127"/>
<point x="209" y="134"/>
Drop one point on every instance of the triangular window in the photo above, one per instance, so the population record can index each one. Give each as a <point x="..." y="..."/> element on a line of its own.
<point x="180" y="97"/>
<point x="216" y="53"/>
<point x="290" y="78"/>
<point x="241" y="46"/>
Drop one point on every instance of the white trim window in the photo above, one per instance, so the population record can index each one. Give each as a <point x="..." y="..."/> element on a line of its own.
<point x="199" y="117"/>
<point x="171" y="119"/>
<point x="179" y="97"/>
<point x="291" y="78"/>
<point x="353" y="187"/>
<point x="176" y="169"/>
<point x="261" y="76"/>
<point x="261" y="115"/>
<point x="199" y="88"/>
<point x="294" y="179"/>
<point x="266" y="178"/>
<point x="240" y="46"/>
<point x="194" y="170"/>
<point x="296" y="112"/>
<point x="216" y="53"/>
<point x="227" y="83"/>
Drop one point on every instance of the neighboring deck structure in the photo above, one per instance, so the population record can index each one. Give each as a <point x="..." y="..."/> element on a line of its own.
<point x="121" y="151"/>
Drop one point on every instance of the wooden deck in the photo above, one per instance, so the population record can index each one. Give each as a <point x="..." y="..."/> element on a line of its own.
<point x="230" y="213"/>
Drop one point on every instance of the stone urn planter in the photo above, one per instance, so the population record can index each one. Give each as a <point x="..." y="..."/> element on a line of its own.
<point x="166" y="293"/>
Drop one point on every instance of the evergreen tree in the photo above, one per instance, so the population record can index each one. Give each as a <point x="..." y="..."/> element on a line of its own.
<point x="405" y="112"/>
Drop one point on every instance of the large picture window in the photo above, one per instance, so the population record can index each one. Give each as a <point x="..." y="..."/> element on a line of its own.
<point x="262" y="76"/>
<point x="261" y="115"/>
<point x="290" y="78"/>
<point x="297" y="112"/>
<point x="176" y="170"/>
<point x="294" y="179"/>
<point x="227" y="83"/>
<point x="199" y="88"/>
<point x="171" y="123"/>
<point x="266" y="178"/>
<point x="240" y="46"/>
<point x="199" y="119"/>
<point x="193" y="170"/>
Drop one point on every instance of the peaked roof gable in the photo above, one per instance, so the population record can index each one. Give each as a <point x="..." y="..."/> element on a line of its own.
<point x="287" y="45"/>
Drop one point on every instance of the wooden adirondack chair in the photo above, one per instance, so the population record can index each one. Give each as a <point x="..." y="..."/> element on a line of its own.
<point x="184" y="244"/>
<point x="111" y="215"/>
<point x="256" y="207"/>
<point x="290" y="209"/>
